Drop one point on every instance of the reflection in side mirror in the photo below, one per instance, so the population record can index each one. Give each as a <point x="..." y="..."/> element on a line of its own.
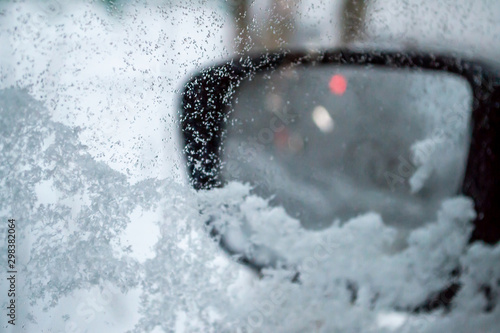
<point x="331" y="142"/>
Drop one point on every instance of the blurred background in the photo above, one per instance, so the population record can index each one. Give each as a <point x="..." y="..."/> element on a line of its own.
<point x="116" y="243"/>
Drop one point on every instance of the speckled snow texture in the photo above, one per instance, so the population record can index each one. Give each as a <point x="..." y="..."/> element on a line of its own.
<point x="110" y="238"/>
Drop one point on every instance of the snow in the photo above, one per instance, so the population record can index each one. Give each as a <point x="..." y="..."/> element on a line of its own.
<point x="469" y="27"/>
<point x="110" y="236"/>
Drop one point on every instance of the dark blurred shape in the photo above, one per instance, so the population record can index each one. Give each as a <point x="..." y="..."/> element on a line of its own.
<point x="353" y="20"/>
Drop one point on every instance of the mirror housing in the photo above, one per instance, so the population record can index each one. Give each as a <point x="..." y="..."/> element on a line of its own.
<point x="208" y="96"/>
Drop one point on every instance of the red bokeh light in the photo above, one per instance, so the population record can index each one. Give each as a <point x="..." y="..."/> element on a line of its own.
<point x="338" y="84"/>
<point x="281" y="139"/>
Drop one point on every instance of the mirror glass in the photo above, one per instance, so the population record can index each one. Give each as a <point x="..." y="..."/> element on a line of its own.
<point x="330" y="142"/>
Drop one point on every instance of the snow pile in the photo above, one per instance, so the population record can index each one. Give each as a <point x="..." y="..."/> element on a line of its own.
<point x="351" y="273"/>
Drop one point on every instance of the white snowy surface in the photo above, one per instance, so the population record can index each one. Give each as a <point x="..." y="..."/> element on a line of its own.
<point x="468" y="27"/>
<point x="111" y="238"/>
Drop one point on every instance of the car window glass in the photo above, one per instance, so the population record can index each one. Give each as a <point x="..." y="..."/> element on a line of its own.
<point x="111" y="237"/>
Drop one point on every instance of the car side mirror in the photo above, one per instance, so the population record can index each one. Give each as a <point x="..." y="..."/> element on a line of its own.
<point x="337" y="133"/>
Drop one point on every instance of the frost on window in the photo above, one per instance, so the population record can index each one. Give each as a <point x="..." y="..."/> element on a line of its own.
<point x="111" y="236"/>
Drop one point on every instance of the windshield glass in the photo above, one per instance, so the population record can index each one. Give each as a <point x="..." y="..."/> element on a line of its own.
<point x="102" y="231"/>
